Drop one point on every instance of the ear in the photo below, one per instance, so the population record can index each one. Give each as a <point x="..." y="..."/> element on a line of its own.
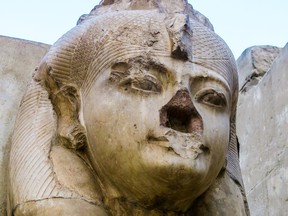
<point x="66" y="103"/>
<point x="65" y="99"/>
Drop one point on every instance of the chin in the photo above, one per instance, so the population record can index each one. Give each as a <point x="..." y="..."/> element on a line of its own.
<point x="164" y="163"/>
<point x="179" y="184"/>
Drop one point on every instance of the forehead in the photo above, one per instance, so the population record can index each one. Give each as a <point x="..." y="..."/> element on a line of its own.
<point x="144" y="33"/>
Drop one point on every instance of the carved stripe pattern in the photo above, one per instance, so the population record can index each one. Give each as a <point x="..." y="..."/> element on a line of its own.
<point x="31" y="172"/>
<point x="233" y="166"/>
<point x="212" y="52"/>
<point x="29" y="164"/>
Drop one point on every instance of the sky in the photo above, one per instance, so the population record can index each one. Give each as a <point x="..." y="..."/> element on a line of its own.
<point x="241" y="23"/>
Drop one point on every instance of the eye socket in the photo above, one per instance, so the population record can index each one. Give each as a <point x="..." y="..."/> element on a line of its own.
<point x="136" y="79"/>
<point x="116" y="76"/>
<point x="212" y="98"/>
<point x="119" y="72"/>
<point x="146" y="84"/>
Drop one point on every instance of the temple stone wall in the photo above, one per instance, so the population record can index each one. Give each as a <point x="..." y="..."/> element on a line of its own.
<point x="262" y="125"/>
<point x="18" y="60"/>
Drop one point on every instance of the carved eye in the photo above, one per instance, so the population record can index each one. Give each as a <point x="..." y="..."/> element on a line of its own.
<point x="211" y="98"/>
<point x="119" y="72"/>
<point x="134" y="79"/>
<point x="116" y="76"/>
<point x="146" y="84"/>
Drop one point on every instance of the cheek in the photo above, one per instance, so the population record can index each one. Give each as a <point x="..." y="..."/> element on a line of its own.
<point x="120" y="116"/>
<point x="216" y="134"/>
<point x="110" y="124"/>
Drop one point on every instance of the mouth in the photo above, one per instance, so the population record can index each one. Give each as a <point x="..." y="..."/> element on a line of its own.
<point x="182" y="144"/>
<point x="161" y="141"/>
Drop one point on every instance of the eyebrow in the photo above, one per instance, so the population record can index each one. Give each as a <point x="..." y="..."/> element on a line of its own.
<point x="151" y="62"/>
<point x="211" y="76"/>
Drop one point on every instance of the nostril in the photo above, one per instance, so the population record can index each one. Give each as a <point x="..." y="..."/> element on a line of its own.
<point x="182" y="120"/>
<point x="178" y="120"/>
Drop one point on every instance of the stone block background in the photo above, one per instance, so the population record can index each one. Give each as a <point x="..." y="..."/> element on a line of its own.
<point x="262" y="125"/>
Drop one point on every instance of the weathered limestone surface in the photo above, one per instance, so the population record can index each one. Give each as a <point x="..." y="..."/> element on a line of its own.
<point x="18" y="59"/>
<point x="262" y="124"/>
<point x="254" y="63"/>
<point x="89" y="135"/>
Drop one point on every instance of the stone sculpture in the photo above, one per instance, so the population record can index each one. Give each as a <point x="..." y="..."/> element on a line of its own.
<point x="132" y="112"/>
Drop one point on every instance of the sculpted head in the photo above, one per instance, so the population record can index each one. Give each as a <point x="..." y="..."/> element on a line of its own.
<point x="157" y="99"/>
<point x="150" y="94"/>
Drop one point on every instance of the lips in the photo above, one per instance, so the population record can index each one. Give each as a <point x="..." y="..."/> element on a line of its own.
<point x="160" y="141"/>
<point x="185" y="145"/>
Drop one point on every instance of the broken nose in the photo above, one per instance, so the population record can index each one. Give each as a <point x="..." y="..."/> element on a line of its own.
<point x="180" y="114"/>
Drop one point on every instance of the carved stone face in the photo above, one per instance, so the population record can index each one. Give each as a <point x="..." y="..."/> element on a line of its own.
<point x="157" y="126"/>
